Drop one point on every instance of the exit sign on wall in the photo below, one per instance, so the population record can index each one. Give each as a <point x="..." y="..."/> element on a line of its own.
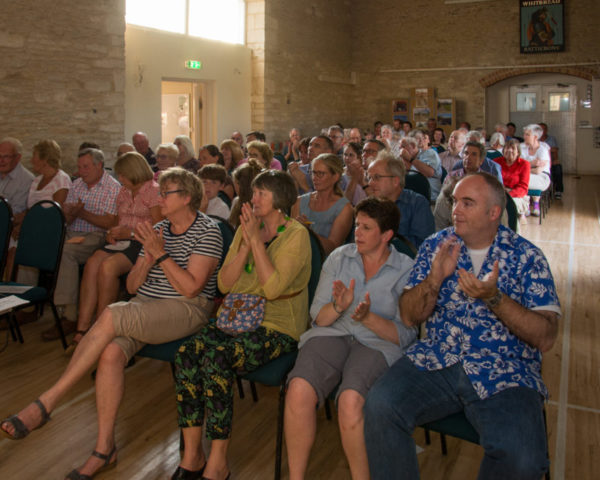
<point x="193" y="64"/>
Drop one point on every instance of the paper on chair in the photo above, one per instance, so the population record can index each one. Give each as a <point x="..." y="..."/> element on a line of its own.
<point x="15" y="288"/>
<point x="10" y="302"/>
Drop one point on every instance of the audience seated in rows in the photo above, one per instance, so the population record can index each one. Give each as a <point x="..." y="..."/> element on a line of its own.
<point x="488" y="165"/>
<point x="419" y="157"/>
<point x="489" y="304"/>
<point x="137" y="202"/>
<point x="242" y="181"/>
<point x="538" y="156"/>
<point x="270" y="256"/>
<point x="174" y="279"/>
<point x="325" y="210"/>
<point x="213" y="178"/>
<point x="515" y="174"/>
<point x="90" y="210"/>
<point x="386" y="179"/>
<point x="356" y="334"/>
<point x="142" y="145"/>
<point x="232" y="155"/>
<point x="186" y="158"/>
<point x="301" y="173"/>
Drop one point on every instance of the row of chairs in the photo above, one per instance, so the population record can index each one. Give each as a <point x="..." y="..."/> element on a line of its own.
<point x="39" y="247"/>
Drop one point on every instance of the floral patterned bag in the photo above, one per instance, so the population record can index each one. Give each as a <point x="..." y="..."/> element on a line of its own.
<point x="241" y="312"/>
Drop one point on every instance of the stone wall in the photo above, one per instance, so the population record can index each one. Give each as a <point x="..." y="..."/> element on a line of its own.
<point x="308" y="57"/>
<point x="62" y="73"/>
<point x="379" y="50"/>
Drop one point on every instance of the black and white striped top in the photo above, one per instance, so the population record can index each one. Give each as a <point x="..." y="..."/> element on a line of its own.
<point x="202" y="238"/>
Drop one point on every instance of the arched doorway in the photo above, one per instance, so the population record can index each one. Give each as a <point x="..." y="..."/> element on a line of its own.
<point x="558" y="99"/>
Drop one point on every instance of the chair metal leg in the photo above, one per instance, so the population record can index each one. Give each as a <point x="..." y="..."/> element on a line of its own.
<point x="14" y="323"/>
<point x="279" y="444"/>
<point x="63" y="339"/>
<point x="253" y="390"/>
<point x="443" y="444"/>
<point x="240" y="387"/>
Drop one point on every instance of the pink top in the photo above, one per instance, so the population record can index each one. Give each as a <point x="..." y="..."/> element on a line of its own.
<point x="133" y="210"/>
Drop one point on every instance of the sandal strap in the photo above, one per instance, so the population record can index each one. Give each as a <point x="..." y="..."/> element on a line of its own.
<point x="105" y="456"/>
<point x="43" y="411"/>
<point x="75" y="475"/>
<point x="21" y="430"/>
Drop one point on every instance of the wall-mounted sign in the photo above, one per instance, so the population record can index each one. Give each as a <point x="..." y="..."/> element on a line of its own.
<point x="542" y="26"/>
<point x="193" y="64"/>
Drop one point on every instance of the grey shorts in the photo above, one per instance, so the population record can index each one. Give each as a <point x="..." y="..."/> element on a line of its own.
<point x="324" y="362"/>
<point x="145" y="320"/>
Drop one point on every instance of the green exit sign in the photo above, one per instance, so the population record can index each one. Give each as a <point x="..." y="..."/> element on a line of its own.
<point x="193" y="64"/>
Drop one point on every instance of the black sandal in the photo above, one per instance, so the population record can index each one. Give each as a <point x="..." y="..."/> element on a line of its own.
<point x="184" y="474"/>
<point x="76" y="475"/>
<point x="21" y="430"/>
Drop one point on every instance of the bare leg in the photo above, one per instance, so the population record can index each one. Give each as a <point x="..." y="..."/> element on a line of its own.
<point x="216" y="465"/>
<point x="351" y="421"/>
<point x="88" y="292"/>
<point x="300" y="422"/>
<point x="84" y="357"/>
<point x="193" y="455"/>
<point x="110" y="382"/>
<point x="108" y="279"/>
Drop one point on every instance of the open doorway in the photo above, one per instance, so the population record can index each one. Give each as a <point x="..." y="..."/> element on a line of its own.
<point x="184" y="112"/>
<point x="555" y="99"/>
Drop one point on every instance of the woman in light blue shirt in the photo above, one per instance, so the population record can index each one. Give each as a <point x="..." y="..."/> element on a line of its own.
<point x="356" y="335"/>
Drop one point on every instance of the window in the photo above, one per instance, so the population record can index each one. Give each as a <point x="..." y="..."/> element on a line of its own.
<point x="558" y="102"/>
<point x="526" y="101"/>
<point x="223" y="20"/>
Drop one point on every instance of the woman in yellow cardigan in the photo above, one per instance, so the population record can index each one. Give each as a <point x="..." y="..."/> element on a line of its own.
<point x="269" y="257"/>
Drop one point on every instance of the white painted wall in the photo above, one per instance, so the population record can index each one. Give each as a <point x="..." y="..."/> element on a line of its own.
<point x="152" y="56"/>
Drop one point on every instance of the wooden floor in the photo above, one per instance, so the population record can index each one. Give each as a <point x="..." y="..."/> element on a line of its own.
<point x="147" y="435"/>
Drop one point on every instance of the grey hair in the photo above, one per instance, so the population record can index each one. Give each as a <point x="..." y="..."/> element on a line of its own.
<point x="411" y="139"/>
<point x="475" y="136"/>
<point x="97" y="155"/>
<point x="186" y="143"/>
<point x="387" y="127"/>
<point x="171" y="149"/>
<point x="16" y="144"/>
<point x="497" y="137"/>
<point x="535" y="129"/>
<point x="393" y="165"/>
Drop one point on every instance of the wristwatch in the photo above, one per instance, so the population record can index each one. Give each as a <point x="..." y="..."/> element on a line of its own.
<point x="494" y="301"/>
<point x="162" y="259"/>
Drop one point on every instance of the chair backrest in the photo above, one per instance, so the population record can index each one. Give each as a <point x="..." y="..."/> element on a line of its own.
<point x="42" y="237"/>
<point x="511" y="211"/>
<point x="317" y="259"/>
<point x="417" y="182"/>
<point x="227" y="232"/>
<point x="6" y="225"/>
<point x="223" y="196"/>
<point x="404" y="245"/>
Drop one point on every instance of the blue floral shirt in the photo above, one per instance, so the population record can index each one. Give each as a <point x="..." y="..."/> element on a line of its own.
<point x="463" y="329"/>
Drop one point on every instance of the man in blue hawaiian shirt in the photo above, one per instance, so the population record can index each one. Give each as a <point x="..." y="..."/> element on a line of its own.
<point x="491" y="308"/>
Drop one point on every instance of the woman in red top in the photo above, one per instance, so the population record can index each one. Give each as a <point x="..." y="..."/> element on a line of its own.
<point x="515" y="175"/>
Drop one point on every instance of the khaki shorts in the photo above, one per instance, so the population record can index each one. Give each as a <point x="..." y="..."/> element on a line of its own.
<point x="327" y="361"/>
<point x="145" y="320"/>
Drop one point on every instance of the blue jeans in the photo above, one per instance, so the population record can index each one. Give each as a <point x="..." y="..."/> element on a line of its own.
<point x="510" y="424"/>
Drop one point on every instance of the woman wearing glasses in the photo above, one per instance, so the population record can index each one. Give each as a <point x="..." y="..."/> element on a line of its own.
<point x="325" y="210"/>
<point x="174" y="279"/>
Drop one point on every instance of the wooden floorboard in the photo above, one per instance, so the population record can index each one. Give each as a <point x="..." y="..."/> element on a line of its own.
<point x="147" y="434"/>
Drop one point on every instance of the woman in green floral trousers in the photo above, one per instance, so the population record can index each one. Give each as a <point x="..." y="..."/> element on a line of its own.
<point x="270" y="257"/>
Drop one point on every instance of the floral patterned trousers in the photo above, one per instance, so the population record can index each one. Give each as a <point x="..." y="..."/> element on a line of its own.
<point x="206" y="367"/>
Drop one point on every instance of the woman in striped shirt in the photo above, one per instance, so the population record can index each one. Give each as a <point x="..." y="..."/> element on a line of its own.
<point x="174" y="279"/>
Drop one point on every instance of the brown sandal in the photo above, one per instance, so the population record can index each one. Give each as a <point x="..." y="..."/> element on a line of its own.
<point x="73" y="345"/>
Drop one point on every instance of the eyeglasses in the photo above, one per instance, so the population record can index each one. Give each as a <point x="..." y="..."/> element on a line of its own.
<point x="376" y="177"/>
<point x="7" y="157"/>
<point x="169" y="192"/>
<point x="318" y="174"/>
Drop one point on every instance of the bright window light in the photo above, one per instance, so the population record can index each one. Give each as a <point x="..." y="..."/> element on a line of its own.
<point x="222" y="20"/>
<point x="169" y="16"/>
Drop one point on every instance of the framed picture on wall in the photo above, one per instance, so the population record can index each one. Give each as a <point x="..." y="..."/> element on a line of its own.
<point x="542" y="26"/>
<point x="400" y="110"/>
<point x="422" y="103"/>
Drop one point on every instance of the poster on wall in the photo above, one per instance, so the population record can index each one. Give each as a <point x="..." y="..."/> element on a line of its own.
<point x="542" y="26"/>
